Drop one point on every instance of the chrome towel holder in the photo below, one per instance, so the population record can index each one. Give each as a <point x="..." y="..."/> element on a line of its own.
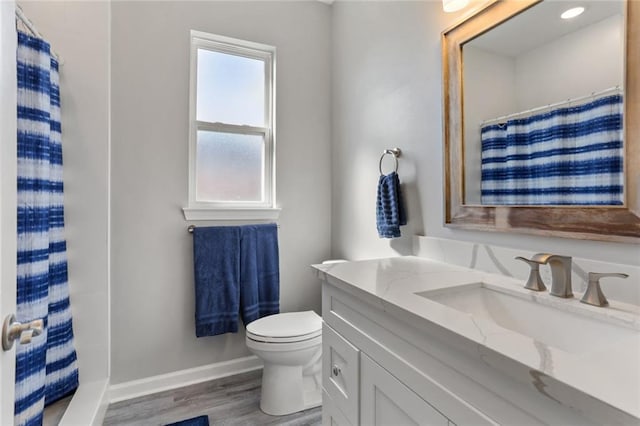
<point x="190" y="228"/>
<point x="396" y="152"/>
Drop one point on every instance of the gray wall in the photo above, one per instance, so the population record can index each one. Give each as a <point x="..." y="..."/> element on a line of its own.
<point x="79" y="32"/>
<point x="152" y="279"/>
<point x="387" y="92"/>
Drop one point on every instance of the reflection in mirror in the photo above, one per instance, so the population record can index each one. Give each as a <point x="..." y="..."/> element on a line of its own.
<point x="543" y="108"/>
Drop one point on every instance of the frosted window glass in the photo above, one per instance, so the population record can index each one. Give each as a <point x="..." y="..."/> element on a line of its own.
<point x="230" y="89"/>
<point x="229" y="167"/>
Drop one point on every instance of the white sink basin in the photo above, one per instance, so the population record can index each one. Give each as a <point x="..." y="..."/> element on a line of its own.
<point x="520" y="312"/>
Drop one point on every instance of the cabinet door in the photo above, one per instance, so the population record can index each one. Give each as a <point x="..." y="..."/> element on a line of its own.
<point x="385" y="401"/>
<point x="331" y="414"/>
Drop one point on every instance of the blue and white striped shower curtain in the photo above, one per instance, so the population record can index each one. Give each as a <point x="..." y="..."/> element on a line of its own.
<point x="46" y="369"/>
<point x="569" y="155"/>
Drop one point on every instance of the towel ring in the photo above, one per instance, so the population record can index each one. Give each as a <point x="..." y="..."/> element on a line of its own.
<point x="395" y="152"/>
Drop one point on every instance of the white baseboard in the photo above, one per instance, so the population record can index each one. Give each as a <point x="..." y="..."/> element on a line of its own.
<point x="178" y="379"/>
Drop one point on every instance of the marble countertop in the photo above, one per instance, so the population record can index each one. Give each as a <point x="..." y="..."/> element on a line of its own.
<point x="607" y="372"/>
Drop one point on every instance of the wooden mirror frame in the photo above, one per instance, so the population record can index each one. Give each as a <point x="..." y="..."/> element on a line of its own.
<point x="615" y="223"/>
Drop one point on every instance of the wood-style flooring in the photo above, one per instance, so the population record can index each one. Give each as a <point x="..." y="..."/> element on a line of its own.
<point x="233" y="400"/>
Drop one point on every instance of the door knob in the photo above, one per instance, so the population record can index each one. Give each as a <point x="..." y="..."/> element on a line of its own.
<point x="13" y="330"/>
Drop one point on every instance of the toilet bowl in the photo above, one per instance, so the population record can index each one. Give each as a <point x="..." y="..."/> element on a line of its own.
<point x="290" y="346"/>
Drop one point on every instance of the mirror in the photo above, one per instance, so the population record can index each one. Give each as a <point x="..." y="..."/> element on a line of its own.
<point x="542" y="99"/>
<point x="537" y="131"/>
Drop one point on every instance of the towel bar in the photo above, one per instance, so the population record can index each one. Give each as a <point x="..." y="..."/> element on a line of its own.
<point x="190" y="228"/>
<point x="396" y="152"/>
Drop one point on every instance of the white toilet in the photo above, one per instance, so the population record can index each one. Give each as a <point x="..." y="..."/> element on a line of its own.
<point x="290" y="345"/>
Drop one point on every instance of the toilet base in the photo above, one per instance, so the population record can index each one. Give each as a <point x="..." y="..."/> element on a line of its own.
<point x="281" y="386"/>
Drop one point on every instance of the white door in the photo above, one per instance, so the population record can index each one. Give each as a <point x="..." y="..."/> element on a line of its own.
<point x="385" y="401"/>
<point x="7" y="199"/>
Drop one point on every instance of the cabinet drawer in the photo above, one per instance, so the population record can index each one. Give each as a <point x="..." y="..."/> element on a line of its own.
<point x="340" y="372"/>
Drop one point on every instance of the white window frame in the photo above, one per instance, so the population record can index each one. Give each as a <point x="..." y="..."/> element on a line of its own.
<point x="234" y="210"/>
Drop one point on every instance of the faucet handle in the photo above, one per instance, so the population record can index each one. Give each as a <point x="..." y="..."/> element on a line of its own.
<point x="534" y="282"/>
<point x="593" y="295"/>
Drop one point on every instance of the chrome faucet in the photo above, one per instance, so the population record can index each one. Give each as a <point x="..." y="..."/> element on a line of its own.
<point x="560" y="273"/>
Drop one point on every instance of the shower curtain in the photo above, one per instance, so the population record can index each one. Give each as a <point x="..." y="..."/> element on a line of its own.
<point x="46" y="369"/>
<point x="568" y="155"/>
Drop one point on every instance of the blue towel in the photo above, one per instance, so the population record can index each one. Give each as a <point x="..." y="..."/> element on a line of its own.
<point x="259" y="272"/>
<point x="196" y="421"/>
<point x="390" y="213"/>
<point x="216" y="253"/>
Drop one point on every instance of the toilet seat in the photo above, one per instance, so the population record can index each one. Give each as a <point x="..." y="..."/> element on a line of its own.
<point x="286" y="328"/>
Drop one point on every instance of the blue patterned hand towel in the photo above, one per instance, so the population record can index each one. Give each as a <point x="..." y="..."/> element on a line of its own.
<point x="216" y="253"/>
<point x="259" y="271"/>
<point x="390" y="213"/>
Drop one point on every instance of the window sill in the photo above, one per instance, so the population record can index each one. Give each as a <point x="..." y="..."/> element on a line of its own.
<point x="203" y="213"/>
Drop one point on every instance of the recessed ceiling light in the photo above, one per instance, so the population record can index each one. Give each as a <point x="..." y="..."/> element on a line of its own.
<point x="572" y="13"/>
<point x="454" y="5"/>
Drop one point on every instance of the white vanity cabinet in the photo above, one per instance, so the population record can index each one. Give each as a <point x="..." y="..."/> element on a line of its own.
<point x="360" y="391"/>
<point x="385" y="366"/>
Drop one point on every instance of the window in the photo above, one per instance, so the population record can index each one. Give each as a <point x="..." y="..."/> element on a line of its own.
<point x="231" y="141"/>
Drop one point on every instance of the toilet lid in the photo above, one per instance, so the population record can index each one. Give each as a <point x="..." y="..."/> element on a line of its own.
<point x="287" y="327"/>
